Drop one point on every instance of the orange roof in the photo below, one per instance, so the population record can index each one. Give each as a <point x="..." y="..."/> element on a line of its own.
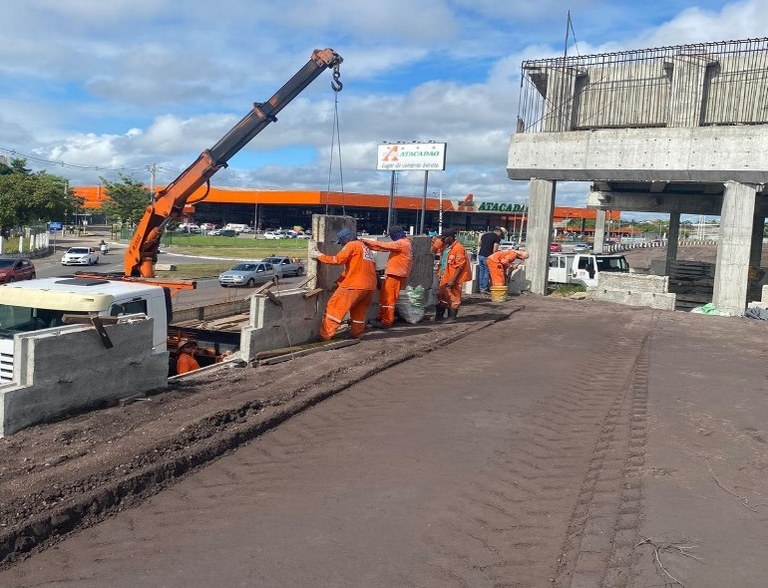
<point x="94" y="196"/>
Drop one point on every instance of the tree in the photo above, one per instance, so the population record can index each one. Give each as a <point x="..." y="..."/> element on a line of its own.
<point x="15" y="167"/>
<point x="126" y="199"/>
<point x="29" y="197"/>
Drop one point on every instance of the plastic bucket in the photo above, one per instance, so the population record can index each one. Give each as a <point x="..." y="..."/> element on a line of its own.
<point x="498" y="293"/>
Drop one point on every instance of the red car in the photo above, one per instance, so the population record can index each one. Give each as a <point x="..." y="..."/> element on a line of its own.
<point x="555" y="247"/>
<point x="14" y="270"/>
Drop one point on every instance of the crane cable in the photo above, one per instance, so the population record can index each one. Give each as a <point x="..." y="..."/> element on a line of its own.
<point x="337" y="86"/>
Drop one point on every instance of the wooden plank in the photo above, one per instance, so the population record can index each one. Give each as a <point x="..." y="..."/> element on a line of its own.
<point x="313" y="293"/>
<point x="263" y="288"/>
<point x="273" y="298"/>
<point x="304" y="352"/>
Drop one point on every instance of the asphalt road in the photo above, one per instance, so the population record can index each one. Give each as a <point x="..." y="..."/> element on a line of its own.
<point x="208" y="291"/>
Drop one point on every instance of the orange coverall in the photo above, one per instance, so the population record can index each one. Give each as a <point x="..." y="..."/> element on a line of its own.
<point x="354" y="292"/>
<point x="186" y="362"/>
<point x="398" y="269"/>
<point x="456" y="272"/>
<point x="498" y="263"/>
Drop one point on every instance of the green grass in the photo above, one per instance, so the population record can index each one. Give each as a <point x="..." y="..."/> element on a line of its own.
<point x="565" y="290"/>
<point x="237" y="248"/>
<point x="232" y="253"/>
<point x="192" y="271"/>
<point x="184" y="240"/>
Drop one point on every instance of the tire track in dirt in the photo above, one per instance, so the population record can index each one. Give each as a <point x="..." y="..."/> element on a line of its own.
<point x="41" y="515"/>
<point x="568" y="459"/>
<point x="598" y="550"/>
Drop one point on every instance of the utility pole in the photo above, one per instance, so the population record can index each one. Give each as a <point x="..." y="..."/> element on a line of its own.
<point x="424" y="203"/>
<point x="391" y="200"/>
<point x="152" y="174"/>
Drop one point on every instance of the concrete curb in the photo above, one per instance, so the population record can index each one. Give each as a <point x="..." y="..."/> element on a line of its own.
<point x="204" y="442"/>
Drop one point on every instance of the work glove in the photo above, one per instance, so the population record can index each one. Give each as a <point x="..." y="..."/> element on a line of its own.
<point x="314" y="254"/>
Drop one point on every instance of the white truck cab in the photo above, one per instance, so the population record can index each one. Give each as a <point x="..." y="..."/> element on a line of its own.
<point x="33" y="305"/>
<point x="584" y="269"/>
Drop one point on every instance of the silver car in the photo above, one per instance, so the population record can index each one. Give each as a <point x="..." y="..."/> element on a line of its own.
<point x="248" y="273"/>
<point x="285" y="266"/>
<point x="80" y="256"/>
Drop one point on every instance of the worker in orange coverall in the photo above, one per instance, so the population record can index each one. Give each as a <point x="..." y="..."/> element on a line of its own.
<point x="355" y="286"/>
<point x="452" y="272"/>
<point x="186" y="362"/>
<point x="499" y="262"/>
<point x="398" y="269"/>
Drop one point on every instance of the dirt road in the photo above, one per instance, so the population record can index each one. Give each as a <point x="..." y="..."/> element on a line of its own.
<point x="573" y="444"/>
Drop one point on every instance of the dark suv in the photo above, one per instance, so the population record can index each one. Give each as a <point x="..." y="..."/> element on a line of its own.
<point x="15" y="270"/>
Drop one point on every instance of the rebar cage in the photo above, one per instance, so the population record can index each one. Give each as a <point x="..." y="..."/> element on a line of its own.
<point x="721" y="83"/>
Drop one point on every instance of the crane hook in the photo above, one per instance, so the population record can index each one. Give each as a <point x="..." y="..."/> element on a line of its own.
<point x="336" y="84"/>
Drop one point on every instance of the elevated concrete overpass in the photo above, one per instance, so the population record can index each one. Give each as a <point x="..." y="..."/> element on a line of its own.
<point x="675" y="130"/>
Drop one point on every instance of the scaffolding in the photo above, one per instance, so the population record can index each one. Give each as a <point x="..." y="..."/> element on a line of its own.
<point x="722" y="83"/>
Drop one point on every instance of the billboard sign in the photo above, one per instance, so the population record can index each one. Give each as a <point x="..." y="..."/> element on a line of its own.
<point x="411" y="156"/>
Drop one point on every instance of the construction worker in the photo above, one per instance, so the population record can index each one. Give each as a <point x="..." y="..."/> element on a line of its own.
<point x="499" y="262"/>
<point x="185" y="361"/>
<point x="355" y="286"/>
<point x="452" y="272"/>
<point x="399" y="264"/>
<point x="487" y="245"/>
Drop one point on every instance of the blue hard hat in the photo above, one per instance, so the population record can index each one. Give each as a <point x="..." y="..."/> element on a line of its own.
<point x="345" y="235"/>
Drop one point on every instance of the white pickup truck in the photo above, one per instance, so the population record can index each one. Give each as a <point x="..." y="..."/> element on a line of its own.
<point x="583" y="268"/>
<point x="33" y="305"/>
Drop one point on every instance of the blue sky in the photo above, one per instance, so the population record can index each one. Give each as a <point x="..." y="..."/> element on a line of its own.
<point x="113" y="86"/>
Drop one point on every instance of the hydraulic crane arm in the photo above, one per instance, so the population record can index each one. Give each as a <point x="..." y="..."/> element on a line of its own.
<point x="141" y="256"/>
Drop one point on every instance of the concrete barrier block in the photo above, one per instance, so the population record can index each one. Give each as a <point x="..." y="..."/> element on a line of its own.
<point x="634" y="282"/>
<point x="629" y="298"/>
<point x="272" y="326"/>
<point x="65" y="370"/>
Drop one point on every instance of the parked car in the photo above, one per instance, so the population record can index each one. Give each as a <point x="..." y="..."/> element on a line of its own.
<point x="223" y="233"/>
<point x="80" y="256"/>
<point x="555" y="247"/>
<point x="273" y="235"/>
<point x="15" y="270"/>
<point x="285" y="266"/>
<point x="504" y="245"/>
<point x="248" y="273"/>
<point x="581" y="247"/>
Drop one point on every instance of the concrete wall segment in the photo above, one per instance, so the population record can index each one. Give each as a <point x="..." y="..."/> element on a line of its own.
<point x="67" y="369"/>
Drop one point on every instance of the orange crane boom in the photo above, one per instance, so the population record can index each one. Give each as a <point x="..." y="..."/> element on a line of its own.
<point x="141" y="255"/>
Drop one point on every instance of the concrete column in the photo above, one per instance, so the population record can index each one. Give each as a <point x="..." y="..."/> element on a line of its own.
<point x="672" y="239"/>
<point x="686" y="102"/>
<point x="541" y="208"/>
<point x="597" y="247"/>
<point x="756" y="250"/>
<point x="733" y="251"/>
<point x="21" y="243"/>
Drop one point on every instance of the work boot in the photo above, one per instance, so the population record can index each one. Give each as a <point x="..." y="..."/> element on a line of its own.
<point x="440" y="313"/>
<point x="452" y="313"/>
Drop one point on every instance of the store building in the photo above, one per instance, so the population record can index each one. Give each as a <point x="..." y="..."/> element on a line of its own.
<point x="272" y="209"/>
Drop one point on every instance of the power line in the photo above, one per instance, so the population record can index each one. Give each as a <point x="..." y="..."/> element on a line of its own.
<point x="60" y="163"/>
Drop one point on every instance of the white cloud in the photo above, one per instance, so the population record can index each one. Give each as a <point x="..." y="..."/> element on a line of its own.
<point x="123" y="83"/>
